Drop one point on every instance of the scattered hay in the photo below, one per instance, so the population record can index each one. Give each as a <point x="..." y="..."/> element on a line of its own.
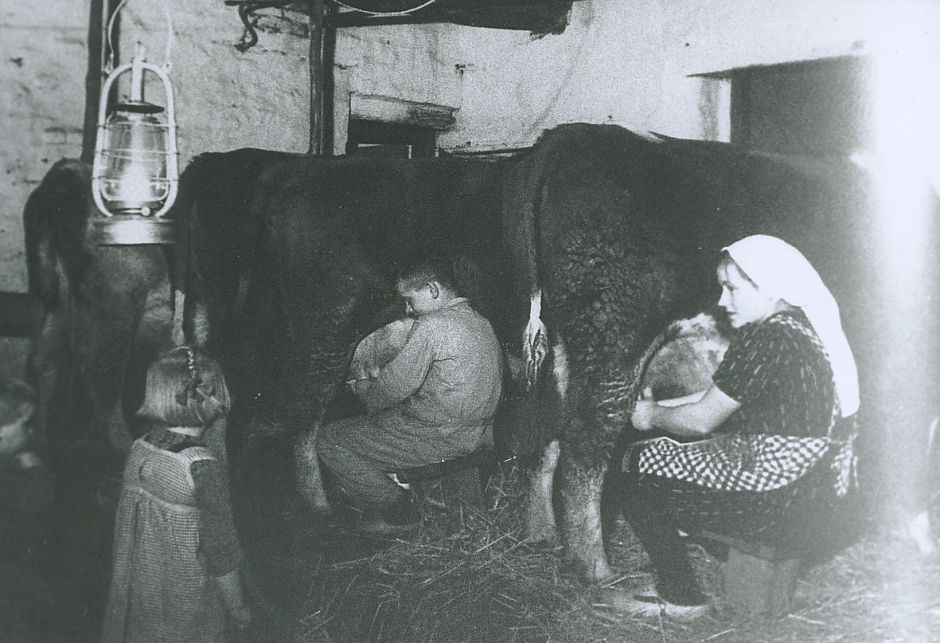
<point x="469" y="575"/>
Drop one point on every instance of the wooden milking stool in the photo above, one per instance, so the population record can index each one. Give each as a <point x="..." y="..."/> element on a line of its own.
<point x="757" y="578"/>
<point x="460" y="480"/>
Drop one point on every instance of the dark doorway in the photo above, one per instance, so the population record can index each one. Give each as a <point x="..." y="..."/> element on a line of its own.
<point x="390" y="140"/>
<point x="818" y="107"/>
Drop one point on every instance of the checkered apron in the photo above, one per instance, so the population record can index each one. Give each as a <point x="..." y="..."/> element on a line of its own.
<point x="160" y="590"/>
<point x="750" y="462"/>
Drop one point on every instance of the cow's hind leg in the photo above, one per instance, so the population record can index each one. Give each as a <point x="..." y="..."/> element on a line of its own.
<point x="581" y="466"/>
<point x="541" y="513"/>
<point x="582" y="529"/>
<point x="309" y="476"/>
<point x="323" y="367"/>
<point x="45" y="363"/>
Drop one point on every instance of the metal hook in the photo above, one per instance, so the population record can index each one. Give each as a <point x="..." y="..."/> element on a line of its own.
<point x="246" y="11"/>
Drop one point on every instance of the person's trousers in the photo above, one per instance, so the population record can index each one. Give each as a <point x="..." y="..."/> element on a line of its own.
<point x="805" y="516"/>
<point x="360" y="453"/>
<point x="658" y="531"/>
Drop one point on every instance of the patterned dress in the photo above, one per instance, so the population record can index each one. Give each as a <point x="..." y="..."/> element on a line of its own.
<point x="161" y="587"/>
<point x="778" y="464"/>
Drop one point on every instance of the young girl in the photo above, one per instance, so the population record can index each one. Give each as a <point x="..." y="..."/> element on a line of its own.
<point x="176" y="554"/>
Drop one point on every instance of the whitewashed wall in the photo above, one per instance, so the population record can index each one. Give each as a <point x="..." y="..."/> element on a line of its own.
<point x="399" y="61"/>
<point x="631" y="61"/>
<point x="42" y="89"/>
<point x="225" y="99"/>
<point x="628" y="62"/>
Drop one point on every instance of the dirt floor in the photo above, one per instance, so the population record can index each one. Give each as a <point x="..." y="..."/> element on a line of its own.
<point x="468" y="574"/>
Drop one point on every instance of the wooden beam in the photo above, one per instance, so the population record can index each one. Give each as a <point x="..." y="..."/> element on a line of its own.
<point x="531" y="15"/>
<point x="317" y="14"/>
<point x="322" y="55"/>
<point x="384" y="109"/>
<point x="328" y="84"/>
<point x="99" y="13"/>
<point x="356" y="19"/>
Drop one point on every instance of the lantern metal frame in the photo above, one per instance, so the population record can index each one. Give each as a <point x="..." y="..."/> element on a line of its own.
<point x="130" y="227"/>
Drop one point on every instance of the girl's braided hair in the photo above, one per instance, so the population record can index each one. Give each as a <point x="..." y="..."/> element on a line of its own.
<point x="185" y="387"/>
<point x="195" y="389"/>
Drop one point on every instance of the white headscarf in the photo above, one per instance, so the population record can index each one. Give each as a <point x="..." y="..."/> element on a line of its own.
<point x="783" y="272"/>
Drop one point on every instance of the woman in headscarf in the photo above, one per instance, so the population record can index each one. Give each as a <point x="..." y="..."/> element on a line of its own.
<point x="779" y="444"/>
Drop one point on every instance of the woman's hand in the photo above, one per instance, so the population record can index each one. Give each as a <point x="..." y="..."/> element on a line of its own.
<point x="642" y="417"/>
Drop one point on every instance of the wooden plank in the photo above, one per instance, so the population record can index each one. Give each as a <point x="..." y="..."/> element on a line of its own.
<point x="385" y="109"/>
<point x="541" y="16"/>
<point x="758" y="586"/>
<point x="446" y="467"/>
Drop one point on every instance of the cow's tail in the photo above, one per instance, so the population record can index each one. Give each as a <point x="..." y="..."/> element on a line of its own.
<point x="534" y="341"/>
<point x="524" y="187"/>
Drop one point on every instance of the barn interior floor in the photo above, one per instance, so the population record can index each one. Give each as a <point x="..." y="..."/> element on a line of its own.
<point x="70" y="579"/>
<point x="464" y="577"/>
<point x="289" y="549"/>
<point x="285" y="545"/>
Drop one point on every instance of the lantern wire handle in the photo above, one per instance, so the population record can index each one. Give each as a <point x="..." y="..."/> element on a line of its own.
<point x="109" y="64"/>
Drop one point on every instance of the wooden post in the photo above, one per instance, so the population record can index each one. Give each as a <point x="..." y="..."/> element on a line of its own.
<point x="98" y="15"/>
<point x="322" y="46"/>
<point x="327" y="83"/>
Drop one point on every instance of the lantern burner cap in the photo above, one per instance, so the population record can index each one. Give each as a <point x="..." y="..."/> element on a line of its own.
<point x="133" y="230"/>
<point x="138" y="107"/>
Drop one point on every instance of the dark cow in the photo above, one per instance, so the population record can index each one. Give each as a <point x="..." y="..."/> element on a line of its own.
<point x="580" y="251"/>
<point x="306" y="272"/>
<point x="105" y="312"/>
<point x="597" y="235"/>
